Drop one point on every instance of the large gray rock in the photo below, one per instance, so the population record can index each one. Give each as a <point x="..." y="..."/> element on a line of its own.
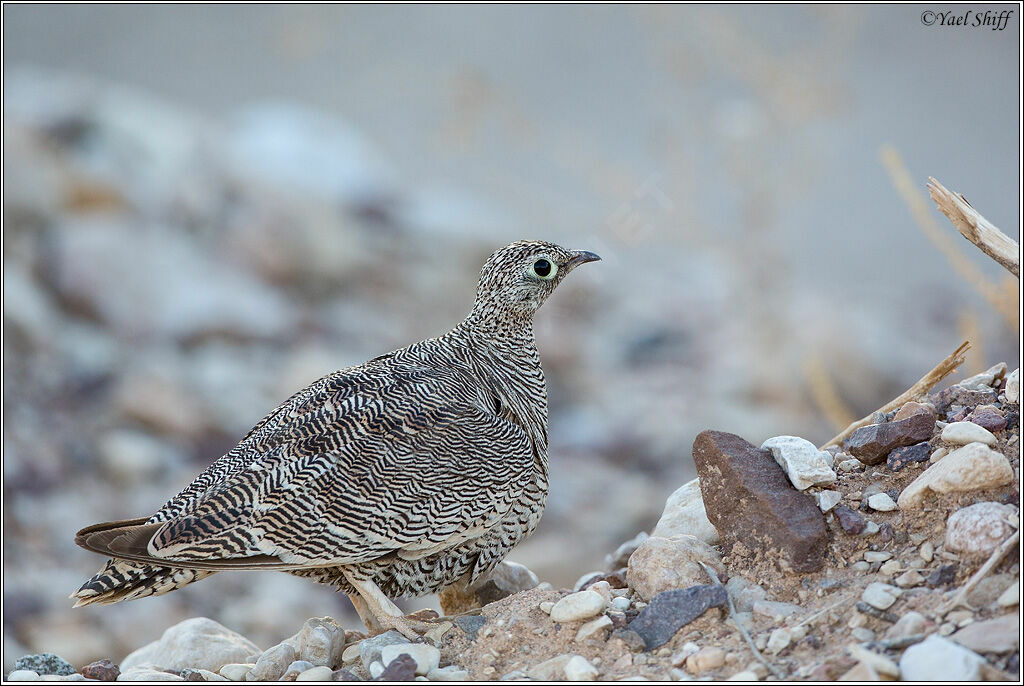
<point x="939" y="659"/>
<point x="662" y="564"/>
<point x="685" y="514"/>
<point x="199" y="642"/>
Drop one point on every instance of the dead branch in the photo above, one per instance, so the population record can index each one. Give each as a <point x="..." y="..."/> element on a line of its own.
<point x="915" y="392"/>
<point x="975" y="228"/>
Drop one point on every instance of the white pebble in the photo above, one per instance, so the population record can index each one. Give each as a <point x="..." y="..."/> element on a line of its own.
<point x="938" y="454"/>
<point x="879" y="663"/>
<point x="1012" y="390"/>
<point x="779" y="640"/>
<point x="850" y="465"/>
<point x="881" y="502"/>
<point x="939" y="659"/>
<point x="877" y="556"/>
<point x="880" y="596"/>
<point x="890" y="567"/>
<point x="594" y="627"/>
<point x="962" y="433"/>
<point x="376" y="668"/>
<point x="426" y="656"/>
<point x="743" y="676"/>
<point x="980" y="528"/>
<point x="577" y="606"/>
<point x="621" y="603"/>
<point x="863" y="634"/>
<point x="235" y="671"/>
<point x="23" y="675"/>
<point x="827" y="499"/>
<point x="870" y="529"/>
<point x="546" y="606"/>
<point x="927" y="551"/>
<point x="449" y="673"/>
<point x="320" y="673"/>
<point x="351" y="653"/>
<point x="803" y="463"/>
<point x="1011" y="596"/>
<point x="578" y="669"/>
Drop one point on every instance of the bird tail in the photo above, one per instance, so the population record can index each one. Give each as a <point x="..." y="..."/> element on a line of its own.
<point x="122" y="579"/>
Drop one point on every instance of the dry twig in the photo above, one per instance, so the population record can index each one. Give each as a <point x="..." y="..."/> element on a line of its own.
<point x="915" y="392"/>
<point x="961" y="597"/>
<point x="975" y="228"/>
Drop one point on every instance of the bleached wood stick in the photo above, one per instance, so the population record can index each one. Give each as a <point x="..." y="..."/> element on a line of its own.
<point x="975" y="228"/>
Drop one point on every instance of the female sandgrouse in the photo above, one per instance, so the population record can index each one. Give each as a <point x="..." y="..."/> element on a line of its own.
<point x="396" y="477"/>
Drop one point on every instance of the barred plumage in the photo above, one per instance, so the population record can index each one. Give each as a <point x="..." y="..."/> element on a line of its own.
<point x="396" y="477"/>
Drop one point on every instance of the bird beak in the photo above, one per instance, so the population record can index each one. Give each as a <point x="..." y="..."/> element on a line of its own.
<point x="580" y="257"/>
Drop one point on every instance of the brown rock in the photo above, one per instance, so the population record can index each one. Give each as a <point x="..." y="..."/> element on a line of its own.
<point x="959" y="396"/>
<point x="870" y="444"/>
<point x="402" y="668"/>
<point x="988" y="418"/>
<point x="911" y="408"/>
<point x="750" y="500"/>
<point x="901" y="457"/>
<point x="101" y="670"/>
<point x="999" y="635"/>
<point x="850" y="520"/>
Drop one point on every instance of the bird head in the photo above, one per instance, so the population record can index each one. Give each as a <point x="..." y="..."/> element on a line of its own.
<point x="517" y="279"/>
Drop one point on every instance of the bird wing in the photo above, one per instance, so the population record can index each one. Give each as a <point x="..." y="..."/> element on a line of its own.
<point x="398" y="458"/>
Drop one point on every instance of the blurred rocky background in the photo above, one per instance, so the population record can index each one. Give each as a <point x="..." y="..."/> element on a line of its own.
<point x="206" y="208"/>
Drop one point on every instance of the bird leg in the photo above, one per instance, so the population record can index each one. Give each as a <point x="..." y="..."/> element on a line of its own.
<point x="379" y="613"/>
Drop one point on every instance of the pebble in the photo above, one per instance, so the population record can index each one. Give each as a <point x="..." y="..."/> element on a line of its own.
<point x="901" y="457"/>
<point x="879" y="663"/>
<point x="147" y="674"/>
<point x="1012" y="389"/>
<point x="890" y="567"/>
<point x="779" y="640"/>
<point x="549" y="670"/>
<point x="743" y="676"/>
<point x="870" y="528"/>
<point x="877" y="556"/>
<point x="860" y="566"/>
<point x="22" y="675"/>
<point x="774" y="609"/>
<point x="938" y="454"/>
<point x="449" y="673"/>
<point x="962" y="433"/>
<point x="44" y="663"/>
<point x="705" y="660"/>
<point x="850" y="520"/>
<point x="927" y="551"/>
<point x="317" y="673"/>
<point x="942" y="576"/>
<point x="684" y="513"/>
<point x="803" y="463"/>
<point x="971" y="467"/>
<point x="101" y="670"/>
<point x="669" y="611"/>
<point x="871" y="444"/>
<point x="988" y="590"/>
<point x="348" y="675"/>
<point x="980" y="528"/>
<point x="1011" y="596"/>
<point x="577" y="606"/>
<point x="295" y="669"/>
<point x="370" y="648"/>
<point x="999" y="635"/>
<point x="942" y="660"/>
<point x="621" y="603"/>
<point x="191" y="674"/>
<point x="863" y="634"/>
<point x="578" y="669"/>
<point x="426" y="656"/>
<point x="850" y="465"/>
<point x="198" y="642"/>
<point x="827" y="499"/>
<point x="319" y="641"/>
<point x="880" y="596"/>
<point x="744" y="593"/>
<point x="662" y="564"/>
<point x="401" y="668"/>
<point x="881" y="502"/>
<point x="909" y="579"/>
<point x="272" y="664"/>
<point x="235" y="671"/>
<point x="750" y="500"/>
<point x="988" y="417"/>
<point x="910" y="624"/>
<point x="594" y="628"/>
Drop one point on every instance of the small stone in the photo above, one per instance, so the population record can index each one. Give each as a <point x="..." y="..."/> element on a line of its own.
<point x="980" y="528"/>
<point x="880" y="596"/>
<point x="986" y="591"/>
<point x="577" y="606"/>
<point x="200" y="643"/>
<point x="424" y="655"/>
<point x="685" y="514"/>
<point x="147" y="674"/>
<point x="927" y="551"/>
<point x="449" y="673"/>
<point x="803" y="463"/>
<point x="705" y="660"/>
<point x="44" y="663"/>
<point x="295" y="669"/>
<point x="877" y="556"/>
<point x="910" y="624"/>
<point x="871" y="444"/>
<point x="669" y="611"/>
<point x="318" y="641"/>
<point x="860" y="566"/>
<point x="860" y="672"/>
<point x="827" y="499"/>
<point x="578" y="669"/>
<point x="988" y="418"/>
<point x="1011" y="596"/>
<point x="879" y="663"/>
<point x="943" y="576"/>
<point x="751" y="501"/>
<point x="901" y="457"/>
<point x="912" y="408"/>
<point x="191" y="674"/>
<point x="909" y="579"/>
<point x="376" y="669"/>
<point x="272" y="664"/>
<point x="779" y="640"/>
<point x="776" y="610"/>
<point x="850" y="465"/>
<point x="101" y="670"/>
<point x="470" y="624"/>
<point x="962" y="433"/>
<point x="549" y="670"/>
<point x="236" y="671"/>
<point x="595" y="627"/>
<point x="621" y="603"/>
<point x="959" y="396"/>
<point x="870" y="528"/>
<point x="22" y="675"/>
<point x="890" y="567"/>
<point x="546" y="606"/>
<point x="346" y="675"/>
<point x="863" y="634"/>
<point x="401" y="668"/>
<point x="743" y="676"/>
<point x="370" y="648"/>
<point x="662" y="564"/>
<point x="1012" y="388"/>
<point x="850" y="520"/>
<point x="938" y="454"/>
<point x="999" y="635"/>
<point x="939" y="659"/>
<point x="317" y="673"/>
<point x="972" y="467"/>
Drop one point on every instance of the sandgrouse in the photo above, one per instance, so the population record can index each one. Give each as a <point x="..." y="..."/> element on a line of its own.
<point x="397" y="477"/>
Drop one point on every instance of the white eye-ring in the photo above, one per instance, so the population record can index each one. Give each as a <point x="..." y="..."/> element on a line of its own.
<point x="544" y="269"/>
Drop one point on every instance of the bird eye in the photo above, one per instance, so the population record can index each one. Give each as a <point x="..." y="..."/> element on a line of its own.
<point x="544" y="269"/>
